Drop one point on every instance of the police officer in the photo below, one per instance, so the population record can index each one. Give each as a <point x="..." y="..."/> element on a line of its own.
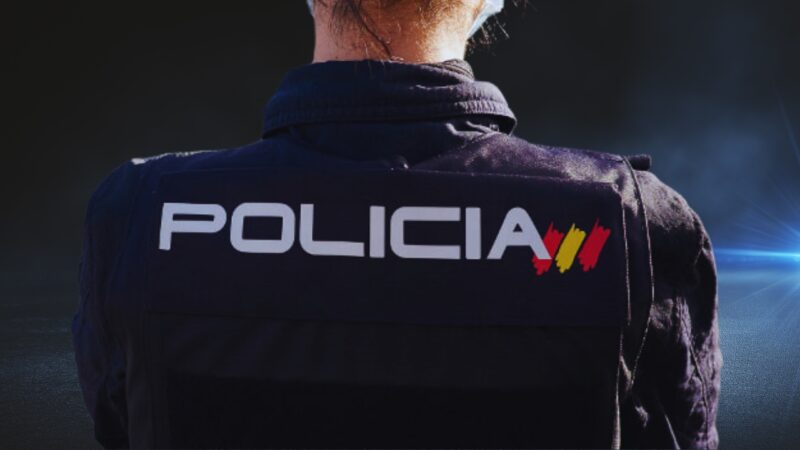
<point x="390" y="267"/>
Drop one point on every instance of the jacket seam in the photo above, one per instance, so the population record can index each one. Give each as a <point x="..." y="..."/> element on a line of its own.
<point x="696" y="362"/>
<point x="651" y="294"/>
<point x="379" y="112"/>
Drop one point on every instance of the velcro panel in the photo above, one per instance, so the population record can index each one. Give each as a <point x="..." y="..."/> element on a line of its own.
<point x="404" y="247"/>
<point x="390" y="345"/>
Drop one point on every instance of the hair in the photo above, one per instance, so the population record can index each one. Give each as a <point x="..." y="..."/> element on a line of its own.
<point x="352" y="13"/>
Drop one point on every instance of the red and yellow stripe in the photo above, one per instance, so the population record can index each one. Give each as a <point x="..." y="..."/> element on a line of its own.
<point x="575" y="244"/>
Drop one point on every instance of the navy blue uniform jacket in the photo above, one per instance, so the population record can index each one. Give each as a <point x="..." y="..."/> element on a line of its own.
<point x="396" y="115"/>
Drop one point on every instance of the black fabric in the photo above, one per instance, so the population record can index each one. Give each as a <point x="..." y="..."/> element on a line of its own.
<point x="321" y="351"/>
<point x="245" y="382"/>
<point x="166" y="353"/>
<point x="255" y="414"/>
<point x="383" y="91"/>
<point x="391" y="288"/>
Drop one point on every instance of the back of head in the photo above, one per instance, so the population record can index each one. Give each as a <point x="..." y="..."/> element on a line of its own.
<point x="405" y="30"/>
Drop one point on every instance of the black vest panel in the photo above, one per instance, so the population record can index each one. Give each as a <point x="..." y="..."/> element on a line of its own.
<point x="384" y="308"/>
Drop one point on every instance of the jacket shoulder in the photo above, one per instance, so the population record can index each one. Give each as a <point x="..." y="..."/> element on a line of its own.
<point x="677" y="234"/>
<point x="500" y="153"/>
<point x="554" y="157"/>
<point x="670" y="218"/>
<point x="111" y="199"/>
<point x="111" y="202"/>
<point x="117" y="193"/>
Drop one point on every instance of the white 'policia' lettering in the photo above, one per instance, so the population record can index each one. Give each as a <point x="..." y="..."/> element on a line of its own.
<point x="517" y="230"/>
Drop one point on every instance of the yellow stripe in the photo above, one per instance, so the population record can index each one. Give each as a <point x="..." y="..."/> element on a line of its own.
<point x="569" y="248"/>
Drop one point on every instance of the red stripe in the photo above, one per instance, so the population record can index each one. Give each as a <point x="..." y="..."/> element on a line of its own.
<point x="593" y="246"/>
<point x="552" y="239"/>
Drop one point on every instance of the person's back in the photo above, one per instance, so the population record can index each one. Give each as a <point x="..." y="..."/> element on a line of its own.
<point x="389" y="267"/>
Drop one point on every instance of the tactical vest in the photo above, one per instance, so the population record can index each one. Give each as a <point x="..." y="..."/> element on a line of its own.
<point x="479" y="299"/>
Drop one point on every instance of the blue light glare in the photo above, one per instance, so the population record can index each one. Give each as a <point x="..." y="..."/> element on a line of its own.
<point x="734" y="254"/>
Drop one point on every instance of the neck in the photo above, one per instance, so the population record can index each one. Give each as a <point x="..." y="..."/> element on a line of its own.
<point x="368" y="48"/>
<point x="408" y="41"/>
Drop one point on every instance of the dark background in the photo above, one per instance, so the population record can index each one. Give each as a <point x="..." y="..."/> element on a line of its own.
<point x="710" y="88"/>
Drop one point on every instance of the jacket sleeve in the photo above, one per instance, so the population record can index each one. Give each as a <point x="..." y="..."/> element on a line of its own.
<point x="682" y="359"/>
<point x="99" y="354"/>
<point x="693" y="394"/>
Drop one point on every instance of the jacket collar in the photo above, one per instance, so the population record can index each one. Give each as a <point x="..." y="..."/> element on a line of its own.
<point x="374" y="91"/>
